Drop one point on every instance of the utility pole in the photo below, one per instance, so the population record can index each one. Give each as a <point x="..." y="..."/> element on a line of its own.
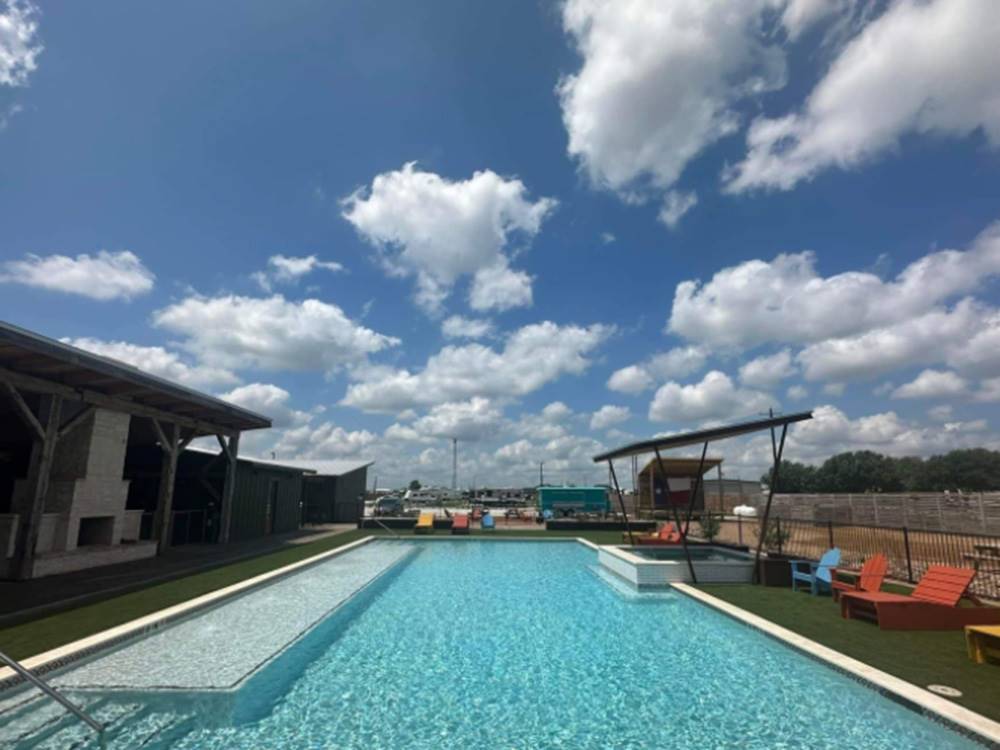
<point x="454" y="464"/>
<point x="541" y="473"/>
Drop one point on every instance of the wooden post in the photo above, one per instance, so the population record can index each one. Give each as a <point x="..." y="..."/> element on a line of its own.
<point x="231" y="449"/>
<point x="39" y="470"/>
<point x="169" y="443"/>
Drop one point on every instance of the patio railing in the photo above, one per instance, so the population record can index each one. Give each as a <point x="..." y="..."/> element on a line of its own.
<point x="910" y="551"/>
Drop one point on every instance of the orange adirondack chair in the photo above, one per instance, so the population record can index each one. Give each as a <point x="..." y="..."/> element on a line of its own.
<point x="933" y="605"/>
<point x="668" y="534"/>
<point x="869" y="578"/>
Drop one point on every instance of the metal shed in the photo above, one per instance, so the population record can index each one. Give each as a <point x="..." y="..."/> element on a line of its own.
<point x="334" y="490"/>
<point x="662" y="493"/>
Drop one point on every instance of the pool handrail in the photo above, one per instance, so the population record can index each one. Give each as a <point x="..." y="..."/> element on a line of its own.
<point x="54" y="695"/>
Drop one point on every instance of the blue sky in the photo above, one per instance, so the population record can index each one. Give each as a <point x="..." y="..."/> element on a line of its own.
<point x="546" y="228"/>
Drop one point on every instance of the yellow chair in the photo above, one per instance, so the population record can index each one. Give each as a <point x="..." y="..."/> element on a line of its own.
<point x="425" y="524"/>
<point x="983" y="642"/>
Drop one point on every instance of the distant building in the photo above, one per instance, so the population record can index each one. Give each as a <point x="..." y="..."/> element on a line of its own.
<point x="661" y="494"/>
<point x="571" y="500"/>
<point x="333" y="490"/>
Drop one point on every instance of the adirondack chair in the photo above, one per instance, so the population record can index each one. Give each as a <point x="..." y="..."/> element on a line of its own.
<point x="933" y="604"/>
<point x="425" y="524"/>
<point x="668" y="534"/>
<point x="869" y="578"/>
<point x="816" y="574"/>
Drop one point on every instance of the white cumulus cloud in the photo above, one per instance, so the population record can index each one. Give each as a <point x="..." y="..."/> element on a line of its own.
<point x="474" y="419"/>
<point x="440" y="230"/>
<point x="659" y="82"/>
<point x="768" y="370"/>
<point x="267" y="399"/>
<point x="714" y="397"/>
<point x="271" y="333"/>
<point x="105" y="276"/>
<point x="284" y="269"/>
<point x="932" y="384"/>
<point x="923" y="66"/>
<point x="458" y="327"/>
<point x="531" y="357"/>
<point x="19" y="45"/>
<point x="786" y="300"/>
<point x="609" y="415"/>
<point x="157" y="361"/>
<point x="675" y="205"/>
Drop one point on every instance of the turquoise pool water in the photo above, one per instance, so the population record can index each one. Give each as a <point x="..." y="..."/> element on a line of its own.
<point x="520" y="645"/>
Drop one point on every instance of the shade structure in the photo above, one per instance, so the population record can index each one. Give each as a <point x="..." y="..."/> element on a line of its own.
<point x="699" y="437"/>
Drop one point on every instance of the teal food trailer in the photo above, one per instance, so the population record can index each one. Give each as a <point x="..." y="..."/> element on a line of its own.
<point x="563" y="501"/>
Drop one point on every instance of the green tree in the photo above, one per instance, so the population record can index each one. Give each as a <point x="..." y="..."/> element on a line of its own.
<point x="859" y="471"/>
<point x="414" y="485"/>
<point x="793" y="477"/>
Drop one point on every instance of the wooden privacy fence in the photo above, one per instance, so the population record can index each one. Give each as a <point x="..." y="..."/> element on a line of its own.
<point x="910" y="551"/>
<point x="972" y="513"/>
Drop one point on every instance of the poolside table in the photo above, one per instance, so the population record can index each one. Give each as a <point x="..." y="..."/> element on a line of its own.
<point x="983" y="642"/>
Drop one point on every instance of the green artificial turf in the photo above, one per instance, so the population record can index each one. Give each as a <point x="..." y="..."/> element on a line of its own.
<point x="38" y="636"/>
<point x="920" y="657"/>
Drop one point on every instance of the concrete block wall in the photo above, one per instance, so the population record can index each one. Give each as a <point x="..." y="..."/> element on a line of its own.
<point x="85" y="483"/>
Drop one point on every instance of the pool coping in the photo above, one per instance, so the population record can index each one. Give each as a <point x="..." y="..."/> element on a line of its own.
<point x="68" y="653"/>
<point x="964" y="720"/>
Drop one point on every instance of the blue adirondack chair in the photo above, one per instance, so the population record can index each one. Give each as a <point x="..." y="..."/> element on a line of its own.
<point x="816" y="574"/>
<point x="488" y="524"/>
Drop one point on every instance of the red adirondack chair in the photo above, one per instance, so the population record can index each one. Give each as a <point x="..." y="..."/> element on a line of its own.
<point x="668" y="534"/>
<point x="460" y="524"/>
<point x="933" y="605"/>
<point x="869" y="578"/>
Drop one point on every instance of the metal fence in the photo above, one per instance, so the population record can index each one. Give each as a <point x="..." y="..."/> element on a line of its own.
<point x="910" y="551"/>
<point x="967" y="513"/>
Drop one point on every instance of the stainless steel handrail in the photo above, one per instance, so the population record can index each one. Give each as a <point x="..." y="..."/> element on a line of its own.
<point x="54" y="694"/>
<point x="391" y="531"/>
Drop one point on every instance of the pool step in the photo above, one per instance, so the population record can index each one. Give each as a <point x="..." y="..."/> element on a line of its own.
<point x="40" y="717"/>
<point x="627" y="591"/>
<point x="127" y="725"/>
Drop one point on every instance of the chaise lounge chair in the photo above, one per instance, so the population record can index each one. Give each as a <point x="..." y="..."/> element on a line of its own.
<point x="425" y="524"/>
<point x="816" y="574"/>
<point x="460" y="524"/>
<point x="933" y="605"/>
<point x="869" y="578"/>
<point x="668" y="534"/>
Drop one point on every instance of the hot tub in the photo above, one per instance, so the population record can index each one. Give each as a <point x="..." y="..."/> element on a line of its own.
<point x="661" y="566"/>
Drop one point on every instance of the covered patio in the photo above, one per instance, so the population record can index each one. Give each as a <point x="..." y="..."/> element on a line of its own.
<point x="69" y="419"/>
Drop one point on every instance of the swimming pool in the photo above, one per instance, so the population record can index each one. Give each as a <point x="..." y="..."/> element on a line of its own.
<point x="468" y="644"/>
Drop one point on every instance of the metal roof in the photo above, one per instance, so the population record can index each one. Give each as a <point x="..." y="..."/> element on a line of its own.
<point x="680" y="467"/>
<point x="328" y="467"/>
<point x="28" y="358"/>
<point x="265" y="462"/>
<point x="702" y="436"/>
